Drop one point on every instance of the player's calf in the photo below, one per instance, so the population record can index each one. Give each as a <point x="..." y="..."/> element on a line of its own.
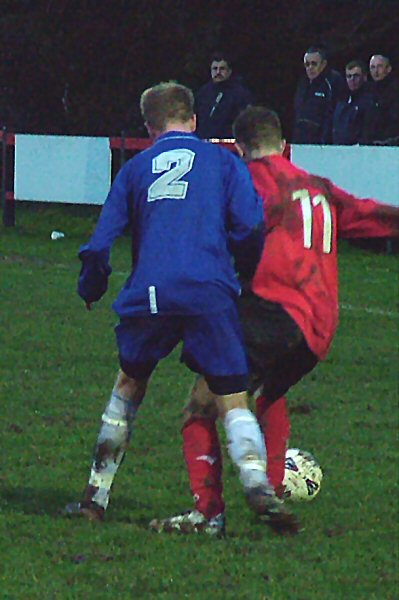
<point x="112" y="442"/>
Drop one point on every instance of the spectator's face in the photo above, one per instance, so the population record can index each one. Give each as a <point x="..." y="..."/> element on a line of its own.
<point x="355" y="78"/>
<point x="314" y="64"/>
<point x="220" y="71"/>
<point x="379" y="67"/>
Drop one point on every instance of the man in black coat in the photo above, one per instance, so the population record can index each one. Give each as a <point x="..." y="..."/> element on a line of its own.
<point x="383" y="119"/>
<point x="316" y="96"/>
<point x="349" y="120"/>
<point x="218" y="102"/>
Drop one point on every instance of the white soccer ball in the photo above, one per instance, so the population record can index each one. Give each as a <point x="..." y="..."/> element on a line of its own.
<point x="302" y="477"/>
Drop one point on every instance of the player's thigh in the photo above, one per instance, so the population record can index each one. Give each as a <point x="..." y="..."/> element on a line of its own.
<point x="269" y="331"/>
<point x="296" y="364"/>
<point x="213" y="344"/>
<point x="277" y="352"/>
<point x="144" y="341"/>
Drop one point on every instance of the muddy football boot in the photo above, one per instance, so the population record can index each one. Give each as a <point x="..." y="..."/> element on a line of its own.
<point x="86" y="510"/>
<point x="191" y="521"/>
<point x="264" y="502"/>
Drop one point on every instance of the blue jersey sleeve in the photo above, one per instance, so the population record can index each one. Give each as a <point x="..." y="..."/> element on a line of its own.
<point x="245" y="219"/>
<point x="114" y="217"/>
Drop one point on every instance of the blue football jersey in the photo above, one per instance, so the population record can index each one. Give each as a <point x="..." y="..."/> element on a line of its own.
<point x="188" y="205"/>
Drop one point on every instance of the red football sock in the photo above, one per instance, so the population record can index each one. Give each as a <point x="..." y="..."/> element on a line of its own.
<point x="275" y="422"/>
<point x="203" y="458"/>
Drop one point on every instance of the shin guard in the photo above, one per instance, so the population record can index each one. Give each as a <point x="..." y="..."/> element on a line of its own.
<point x="246" y="446"/>
<point x="110" y="449"/>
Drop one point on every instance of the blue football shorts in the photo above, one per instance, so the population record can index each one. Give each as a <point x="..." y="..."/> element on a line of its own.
<point x="212" y="346"/>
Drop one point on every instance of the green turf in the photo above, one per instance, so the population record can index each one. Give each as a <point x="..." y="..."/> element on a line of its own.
<point x="57" y="367"/>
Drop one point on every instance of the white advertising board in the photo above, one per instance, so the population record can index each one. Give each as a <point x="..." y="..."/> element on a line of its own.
<point x="66" y="169"/>
<point x="365" y="171"/>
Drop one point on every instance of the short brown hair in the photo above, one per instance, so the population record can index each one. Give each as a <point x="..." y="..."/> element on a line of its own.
<point x="218" y="56"/>
<point x="258" y="126"/>
<point x="318" y="50"/>
<point x="167" y="101"/>
<point x="357" y="63"/>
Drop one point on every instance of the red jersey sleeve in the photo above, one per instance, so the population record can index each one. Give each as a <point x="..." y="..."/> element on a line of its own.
<point x="364" y="218"/>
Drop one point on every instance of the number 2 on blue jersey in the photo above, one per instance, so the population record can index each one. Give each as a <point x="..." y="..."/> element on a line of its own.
<point x="174" y="164"/>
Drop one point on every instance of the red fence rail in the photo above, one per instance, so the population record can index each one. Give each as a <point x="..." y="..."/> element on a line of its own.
<point x="122" y="145"/>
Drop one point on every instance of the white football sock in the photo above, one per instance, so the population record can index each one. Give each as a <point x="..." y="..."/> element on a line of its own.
<point x="246" y="446"/>
<point x="113" y="439"/>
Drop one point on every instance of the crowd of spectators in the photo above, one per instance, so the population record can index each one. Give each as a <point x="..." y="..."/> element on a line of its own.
<point x="328" y="111"/>
<point x="328" y="107"/>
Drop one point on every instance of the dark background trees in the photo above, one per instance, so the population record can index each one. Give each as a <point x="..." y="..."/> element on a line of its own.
<point x="79" y="66"/>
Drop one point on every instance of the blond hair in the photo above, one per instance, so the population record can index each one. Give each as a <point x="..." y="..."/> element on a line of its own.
<point x="166" y="102"/>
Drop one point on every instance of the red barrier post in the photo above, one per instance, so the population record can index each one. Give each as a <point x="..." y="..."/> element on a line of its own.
<point x="7" y="196"/>
<point x="3" y="168"/>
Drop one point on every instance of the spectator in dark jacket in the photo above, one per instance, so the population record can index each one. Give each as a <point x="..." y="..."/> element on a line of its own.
<point x="316" y="96"/>
<point x="349" y="120"/>
<point x="219" y="101"/>
<point x="383" y="119"/>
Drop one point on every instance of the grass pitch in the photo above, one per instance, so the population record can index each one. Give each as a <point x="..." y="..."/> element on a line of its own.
<point x="58" y="363"/>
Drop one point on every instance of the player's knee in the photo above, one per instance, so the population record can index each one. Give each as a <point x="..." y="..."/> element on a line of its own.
<point x="125" y="385"/>
<point x="201" y="403"/>
<point x="194" y="409"/>
<point x="228" y="402"/>
<point x="130" y="388"/>
<point x="201" y="392"/>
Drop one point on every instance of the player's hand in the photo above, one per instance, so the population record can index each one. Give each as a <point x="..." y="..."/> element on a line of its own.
<point x="88" y="305"/>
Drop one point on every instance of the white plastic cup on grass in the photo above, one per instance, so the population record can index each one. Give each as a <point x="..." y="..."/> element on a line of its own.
<point x="57" y="235"/>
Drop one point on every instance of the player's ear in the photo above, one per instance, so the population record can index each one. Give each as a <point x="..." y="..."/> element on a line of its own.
<point x="193" y="123"/>
<point x="151" y="131"/>
<point x="283" y="144"/>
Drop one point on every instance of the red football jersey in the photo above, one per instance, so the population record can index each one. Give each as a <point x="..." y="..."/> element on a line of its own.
<point x="305" y="215"/>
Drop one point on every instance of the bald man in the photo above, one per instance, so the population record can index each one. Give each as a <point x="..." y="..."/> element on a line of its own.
<point x="383" y="120"/>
